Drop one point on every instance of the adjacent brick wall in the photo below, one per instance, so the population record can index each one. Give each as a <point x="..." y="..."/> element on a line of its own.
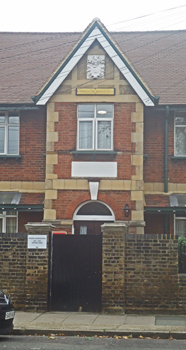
<point x="13" y="267"/>
<point x="113" y="271"/>
<point x="151" y="275"/>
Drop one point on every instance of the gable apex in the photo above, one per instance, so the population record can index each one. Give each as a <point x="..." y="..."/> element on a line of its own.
<point x="95" y="31"/>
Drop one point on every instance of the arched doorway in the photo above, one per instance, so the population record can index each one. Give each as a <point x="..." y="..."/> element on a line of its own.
<point x="89" y="217"/>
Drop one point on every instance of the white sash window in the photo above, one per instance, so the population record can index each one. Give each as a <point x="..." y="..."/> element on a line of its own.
<point x="9" y="133"/>
<point x="95" y="127"/>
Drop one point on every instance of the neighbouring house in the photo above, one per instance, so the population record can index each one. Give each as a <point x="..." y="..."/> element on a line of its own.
<point x="93" y="130"/>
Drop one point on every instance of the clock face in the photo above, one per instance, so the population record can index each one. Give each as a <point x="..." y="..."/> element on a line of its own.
<point x="95" y="66"/>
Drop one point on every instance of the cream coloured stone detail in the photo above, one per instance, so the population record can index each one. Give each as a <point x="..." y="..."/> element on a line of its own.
<point x="15" y="184"/>
<point x="51" y="176"/>
<point x="137" y="117"/>
<point x="50" y="126"/>
<point x="49" y="214"/>
<point x="137" y="159"/>
<point x="136" y="137"/>
<point x="140" y="230"/>
<point x="137" y="177"/>
<point x="158" y="188"/>
<point x="139" y="148"/>
<point x="137" y="215"/>
<point x="51" y="159"/>
<point x="172" y="187"/>
<point x="52" y="136"/>
<point x="139" y="128"/>
<point x="51" y="194"/>
<point x="181" y="187"/>
<point x="139" y="205"/>
<point x="23" y="186"/>
<point x="59" y="184"/>
<point x="48" y="184"/>
<point x="48" y="203"/>
<point x="50" y="147"/>
<point x="39" y="186"/>
<point x="137" y="195"/>
<point x="26" y="185"/>
<point x="139" y="107"/>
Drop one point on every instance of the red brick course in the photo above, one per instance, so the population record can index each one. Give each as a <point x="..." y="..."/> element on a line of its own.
<point x="31" y="167"/>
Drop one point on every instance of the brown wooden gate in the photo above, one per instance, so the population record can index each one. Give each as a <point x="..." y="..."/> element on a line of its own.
<point x="76" y="273"/>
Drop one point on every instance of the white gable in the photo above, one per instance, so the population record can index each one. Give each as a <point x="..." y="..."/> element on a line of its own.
<point x="96" y="34"/>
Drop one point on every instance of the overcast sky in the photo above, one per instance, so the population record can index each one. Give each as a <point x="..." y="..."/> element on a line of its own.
<point x="75" y="15"/>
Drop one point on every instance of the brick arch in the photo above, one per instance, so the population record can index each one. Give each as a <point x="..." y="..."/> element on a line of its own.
<point x="74" y="204"/>
<point x="85" y="197"/>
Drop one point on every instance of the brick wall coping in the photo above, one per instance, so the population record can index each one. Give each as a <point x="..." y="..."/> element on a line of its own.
<point x="39" y="226"/>
<point x="138" y="237"/>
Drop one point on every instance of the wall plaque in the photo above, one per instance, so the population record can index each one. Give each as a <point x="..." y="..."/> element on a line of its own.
<point x="110" y="91"/>
<point x="37" y="242"/>
<point x="95" y="67"/>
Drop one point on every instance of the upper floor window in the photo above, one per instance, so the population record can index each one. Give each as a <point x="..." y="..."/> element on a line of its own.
<point x="95" y="127"/>
<point x="9" y="133"/>
<point x="180" y="134"/>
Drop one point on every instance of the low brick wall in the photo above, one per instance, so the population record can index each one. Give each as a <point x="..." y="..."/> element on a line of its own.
<point x="151" y="275"/>
<point x="13" y="249"/>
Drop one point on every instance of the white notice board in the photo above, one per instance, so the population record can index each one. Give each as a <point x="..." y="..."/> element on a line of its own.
<point x="37" y="242"/>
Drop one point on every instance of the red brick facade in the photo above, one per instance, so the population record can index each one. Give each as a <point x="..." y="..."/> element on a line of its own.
<point x="32" y="148"/>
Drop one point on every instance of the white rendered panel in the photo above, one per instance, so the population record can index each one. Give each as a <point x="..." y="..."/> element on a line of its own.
<point x="96" y="34"/>
<point x="94" y="169"/>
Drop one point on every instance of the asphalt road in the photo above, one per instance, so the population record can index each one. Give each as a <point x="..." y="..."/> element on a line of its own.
<point x="86" y="343"/>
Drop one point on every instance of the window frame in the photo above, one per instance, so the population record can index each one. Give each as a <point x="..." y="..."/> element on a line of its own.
<point x="6" y="126"/>
<point x="178" y="126"/>
<point x="95" y="121"/>
<point x="4" y="215"/>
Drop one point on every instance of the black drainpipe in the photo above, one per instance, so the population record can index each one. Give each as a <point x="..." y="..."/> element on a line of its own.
<point x="166" y="151"/>
<point x="166" y="164"/>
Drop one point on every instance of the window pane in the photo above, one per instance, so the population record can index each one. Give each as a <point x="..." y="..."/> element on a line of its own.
<point x="1" y="225"/>
<point x="180" y="142"/>
<point x="104" y="135"/>
<point x="104" y="111"/>
<point x="2" y="139"/>
<point x="85" y="135"/>
<point x="181" y="228"/>
<point x="13" y="140"/>
<point x="181" y="119"/>
<point x="11" y="225"/>
<point x="85" y="111"/>
<point x="13" y="120"/>
<point x="2" y="118"/>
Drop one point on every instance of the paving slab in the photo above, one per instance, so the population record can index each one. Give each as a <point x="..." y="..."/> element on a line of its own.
<point x="140" y="320"/>
<point x="109" y="320"/>
<point x="80" y="318"/>
<point x="170" y="321"/>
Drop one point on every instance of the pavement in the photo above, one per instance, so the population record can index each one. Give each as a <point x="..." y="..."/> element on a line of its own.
<point x="97" y="324"/>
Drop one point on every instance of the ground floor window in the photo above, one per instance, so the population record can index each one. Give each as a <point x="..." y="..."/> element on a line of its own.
<point x="8" y="222"/>
<point x="180" y="225"/>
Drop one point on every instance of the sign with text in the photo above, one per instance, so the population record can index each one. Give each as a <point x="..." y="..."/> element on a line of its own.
<point x="37" y="242"/>
<point x="98" y="91"/>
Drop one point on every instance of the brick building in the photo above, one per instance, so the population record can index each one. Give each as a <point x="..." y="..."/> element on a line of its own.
<point x="92" y="131"/>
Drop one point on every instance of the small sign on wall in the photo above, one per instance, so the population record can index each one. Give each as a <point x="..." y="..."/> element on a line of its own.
<point x="37" y="242"/>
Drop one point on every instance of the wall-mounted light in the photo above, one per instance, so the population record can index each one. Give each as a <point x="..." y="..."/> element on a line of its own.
<point x="126" y="210"/>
